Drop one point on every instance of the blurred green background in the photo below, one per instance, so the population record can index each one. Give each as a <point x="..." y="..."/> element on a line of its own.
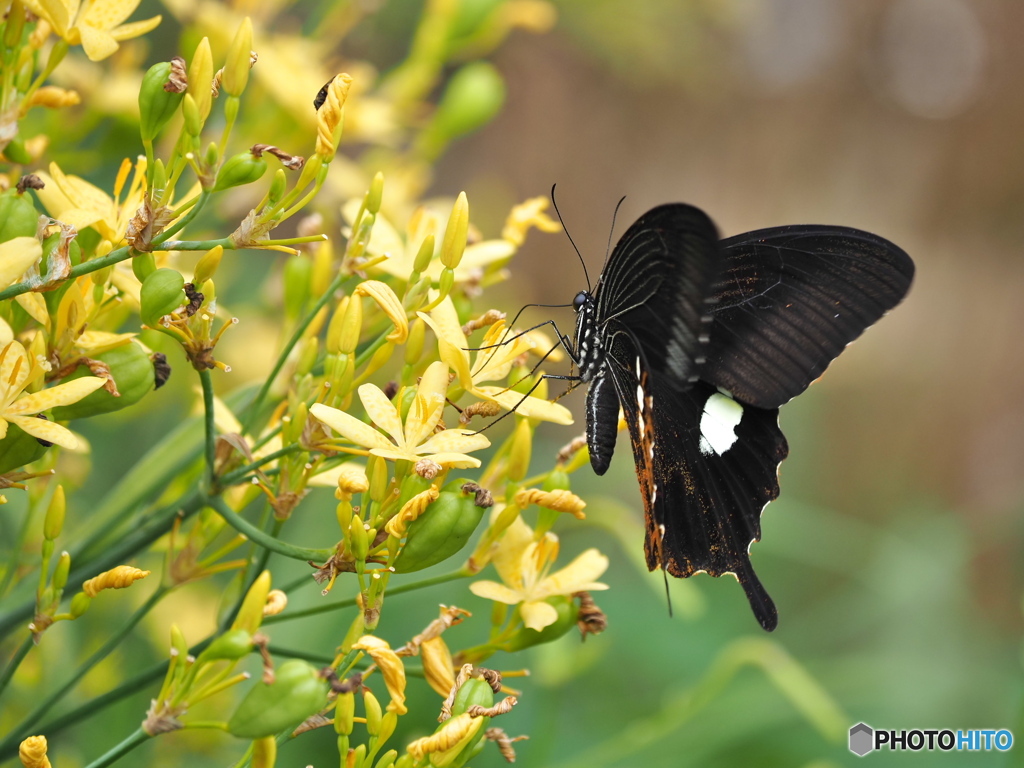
<point x="894" y="552"/>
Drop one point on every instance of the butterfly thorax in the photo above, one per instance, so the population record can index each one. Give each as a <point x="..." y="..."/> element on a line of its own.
<point x="587" y="345"/>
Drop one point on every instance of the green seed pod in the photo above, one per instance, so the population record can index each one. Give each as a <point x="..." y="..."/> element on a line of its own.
<point x="18" y="217"/>
<point x="373" y="711"/>
<point x="19" y="448"/>
<point x="243" y="168"/>
<point x="232" y="645"/>
<point x="156" y="106"/>
<point x="473" y="693"/>
<point x="143" y="266"/>
<point x="440" y="532"/>
<point x="16" y="153"/>
<point x="297" y="692"/>
<point x="526" y="637"/>
<point x="162" y="293"/>
<point x="344" y="711"/>
<point x="133" y="375"/>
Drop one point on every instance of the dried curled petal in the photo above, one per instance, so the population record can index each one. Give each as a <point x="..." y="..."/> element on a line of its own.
<point x="558" y="500"/>
<point x="412" y="509"/>
<point x="116" y="578"/>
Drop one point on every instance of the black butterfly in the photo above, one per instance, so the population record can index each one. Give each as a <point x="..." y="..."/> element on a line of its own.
<point x="699" y="341"/>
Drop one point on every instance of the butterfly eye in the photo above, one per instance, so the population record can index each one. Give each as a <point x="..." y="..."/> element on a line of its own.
<point x="580" y="300"/>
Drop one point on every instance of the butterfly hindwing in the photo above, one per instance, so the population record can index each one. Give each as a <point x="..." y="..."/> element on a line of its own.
<point x="707" y="466"/>
<point x="789" y="299"/>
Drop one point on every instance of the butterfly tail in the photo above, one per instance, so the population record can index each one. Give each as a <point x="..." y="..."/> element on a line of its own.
<point x="760" y="603"/>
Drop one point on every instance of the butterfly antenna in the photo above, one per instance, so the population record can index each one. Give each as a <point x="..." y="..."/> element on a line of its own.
<point x="668" y="595"/>
<point x="615" y="214"/>
<point x="565" y="229"/>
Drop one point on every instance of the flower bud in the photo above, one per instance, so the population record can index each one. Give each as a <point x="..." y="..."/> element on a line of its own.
<point x="162" y="293"/>
<point x="474" y="96"/>
<point x="200" y="78"/>
<point x="377" y="476"/>
<point x="455" y="234"/>
<point x="357" y="538"/>
<point x="157" y="105"/>
<point x="414" y="344"/>
<point x="207" y="265"/>
<point x="239" y="60"/>
<point x="53" y="524"/>
<point x="297" y="273"/>
<point x="264" y="752"/>
<point x="519" y="452"/>
<point x="79" y="604"/>
<point x="243" y="168"/>
<point x="60" y="573"/>
<point x="230" y="646"/>
<point x="193" y="121"/>
<point x="424" y="255"/>
<point x="297" y="692"/>
<point x="18" y="217"/>
<point x="374" y="713"/>
<point x="374" y="195"/>
<point x="250" y="615"/>
<point x="278" y="186"/>
<point x="344" y="711"/>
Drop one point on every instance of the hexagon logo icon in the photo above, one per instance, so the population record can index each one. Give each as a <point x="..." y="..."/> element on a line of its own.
<point x="862" y="739"/>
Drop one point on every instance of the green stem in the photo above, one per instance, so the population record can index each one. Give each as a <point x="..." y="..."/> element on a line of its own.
<point x="15" y="661"/>
<point x="183" y="222"/>
<point x="262" y="538"/>
<point x="444" y="578"/>
<point x="238" y="475"/>
<point x="210" y="429"/>
<point x="254" y="406"/>
<point x="23" y="730"/>
<point x="122" y="749"/>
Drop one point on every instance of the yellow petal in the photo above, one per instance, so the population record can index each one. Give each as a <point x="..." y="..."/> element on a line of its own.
<point x="492" y="590"/>
<point x="390" y="666"/>
<point x="389" y="304"/>
<point x="17" y="255"/>
<point x="530" y="407"/>
<point x="428" y="404"/>
<point x="458" y="440"/>
<point x="538" y="614"/>
<point x="456" y="460"/>
<point x="349" y="427"/>
<point x="107" y="14"/>
<point x="395" y="454"/>
<point x="62" y="394"/>
<point x="135" y="28"/>
<point x="35" y="306"/>
<point x="451" y="341"/>
<point x="97" y="342"/>
<point x="6" y="333"/>
<point x="98" y="44"/>
<point x="14" y="368"/>
<point x="81" y="194"/>
<point x="58" y="13"/>
<point x="382" y="412"/>
<point x="46" y="430"/>
<point x="578" y="576"/>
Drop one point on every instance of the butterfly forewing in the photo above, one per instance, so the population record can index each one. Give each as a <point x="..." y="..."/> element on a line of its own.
<point x="789" y="300"/>
<point x="655" y="286"/>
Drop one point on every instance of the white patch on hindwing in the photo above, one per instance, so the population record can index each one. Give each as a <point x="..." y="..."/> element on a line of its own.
<point x="718" y="424"/>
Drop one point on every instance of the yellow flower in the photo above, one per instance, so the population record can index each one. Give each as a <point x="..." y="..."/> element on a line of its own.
<point x="432" y="219"/>
<point x="95" y="24"/>
<point x="16" y="373"/>
<point x="390" y="665"/>
<point x="524" y="566"/>
<point x="415" y="439"/>
<point x="74" y="201"/>
<point x="489" y="364"/>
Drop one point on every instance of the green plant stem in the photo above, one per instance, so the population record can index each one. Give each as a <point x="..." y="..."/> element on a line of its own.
<point x="12" y="665"/>
<point x="261" y="537"/>
<point x="209" y="428"/>
<point x="23" y="729"/>
<point x="122" y="749"/>
<point x="236" y="476"/>
<point x="443" y="578"/>
<point x="254" y="406"/>
<point x="183" y="222"/>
